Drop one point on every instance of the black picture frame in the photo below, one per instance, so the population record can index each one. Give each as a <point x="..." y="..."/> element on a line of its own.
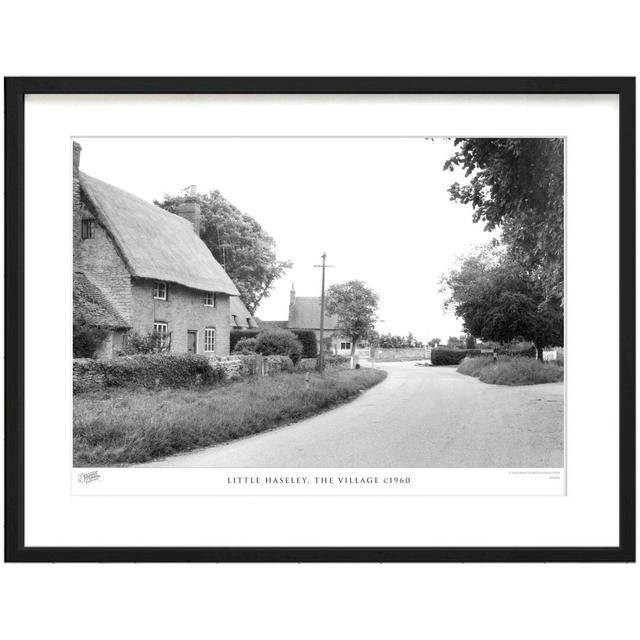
<point x="15" y="91"/>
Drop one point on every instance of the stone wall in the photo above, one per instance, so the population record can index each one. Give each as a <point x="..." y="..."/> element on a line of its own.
<point x="88" y="372"/>
<point x="307" y="364"/>
<point x="99" y="259"/>
<point x="399" y="355"/>
<point x="85" y="376"/>
<point x="243" y="366"/>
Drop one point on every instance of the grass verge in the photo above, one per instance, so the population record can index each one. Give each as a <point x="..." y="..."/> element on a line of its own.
<point x="118" y="427"/>
<point x="512" y="371"/>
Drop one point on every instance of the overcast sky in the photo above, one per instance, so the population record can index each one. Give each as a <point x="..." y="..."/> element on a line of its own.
<point x="379" y="207"/>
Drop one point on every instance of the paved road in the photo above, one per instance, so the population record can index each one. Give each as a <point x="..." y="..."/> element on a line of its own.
<point x="417" y="417"/>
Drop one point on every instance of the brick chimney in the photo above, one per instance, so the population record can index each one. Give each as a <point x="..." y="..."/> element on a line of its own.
<point x="190" y="209"/>
<point x="76" y="175"/>
<point x="292" y="296"/>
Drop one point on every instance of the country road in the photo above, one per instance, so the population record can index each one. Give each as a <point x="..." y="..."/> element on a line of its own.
<point x="417" y="417"/>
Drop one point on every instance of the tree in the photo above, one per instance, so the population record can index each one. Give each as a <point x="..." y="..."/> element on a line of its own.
<point x="518" y="186"/>
<point x="434" y="342"/>
<point x="87" y="338"/>
<point x="455" y="343"/>
<point x="470" y="342"/>
<point x="354" y="305"/>
<point x="498" y="299"/>
<point x="237" y="242"/>
<point x="389" y="341"/>
<point x="412" y="342"/>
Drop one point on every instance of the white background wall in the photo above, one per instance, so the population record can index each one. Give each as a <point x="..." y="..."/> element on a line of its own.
<point x="341" y="601"/>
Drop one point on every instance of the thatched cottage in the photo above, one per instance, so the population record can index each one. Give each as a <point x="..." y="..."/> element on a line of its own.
<point x="140" y="268"/>
<point x="241" y="319"/>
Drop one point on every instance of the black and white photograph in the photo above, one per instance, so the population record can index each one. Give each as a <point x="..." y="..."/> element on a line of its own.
<point x="320" y="320"/>
<point x="318" y="302"/>
<point x="369" y="322"/>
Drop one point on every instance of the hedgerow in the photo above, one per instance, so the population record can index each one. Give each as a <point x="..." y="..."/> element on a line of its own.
<point x="149" y="371"/>
<point x="309" y="343"/>
<point x="512" y="370"/>
<point x="443" y="356"/>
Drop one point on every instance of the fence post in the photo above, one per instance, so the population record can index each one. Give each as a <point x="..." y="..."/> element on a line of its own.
<point x="259" y="365"/>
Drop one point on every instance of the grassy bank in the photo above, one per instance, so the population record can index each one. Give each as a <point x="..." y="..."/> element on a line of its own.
<point x="512" y="371"/>
<point x="117" y="427"/>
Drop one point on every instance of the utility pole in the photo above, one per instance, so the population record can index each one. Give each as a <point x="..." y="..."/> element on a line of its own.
<point x="322" y="266"/>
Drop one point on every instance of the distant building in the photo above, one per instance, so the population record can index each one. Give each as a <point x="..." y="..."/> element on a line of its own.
<point x="266" y="325"/>
<point x="304" y="315"/>
<point x="140" y="268"/>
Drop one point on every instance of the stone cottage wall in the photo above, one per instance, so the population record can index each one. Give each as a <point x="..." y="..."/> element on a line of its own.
<point x="98" y="257"/>
<point x="183" y="311"/>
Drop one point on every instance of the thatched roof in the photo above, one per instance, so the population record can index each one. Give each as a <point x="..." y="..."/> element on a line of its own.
<point x="240" y="316"/>
<point x="90" y="302"/>
<point x="304" y="313"/>
<point x="273" y="324"/>
<point x="154" y="243"/>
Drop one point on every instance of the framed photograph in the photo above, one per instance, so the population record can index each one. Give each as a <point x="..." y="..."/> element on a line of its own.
<point x="320" y="319"/>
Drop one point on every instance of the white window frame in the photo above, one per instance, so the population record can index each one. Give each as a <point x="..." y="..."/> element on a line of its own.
<point x="209" y="295"/>
<point x="345" y="348"/>
<point x="160" y="290"/>
<point x="208" y="341"/>
<point x="161" y="329"/>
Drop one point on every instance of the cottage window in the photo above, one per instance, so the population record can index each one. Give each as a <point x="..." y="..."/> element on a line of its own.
<point x="209" y="299"/>
<point x="345" y="346"/>
<point x="88" y="229"/>
<point x="209" y="339"/>
<point x="249" y="322"/>
<point x="160" y="329"/>
<point x="160" y="290"/>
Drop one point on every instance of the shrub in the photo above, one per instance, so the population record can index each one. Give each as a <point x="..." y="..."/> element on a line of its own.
<point x="473" y="366"/>
<point x="149" y="370"/>
<point x="518" y="349"/>
<point x="307" y="364"/>
<point x="309" y="344"/>
<point x="512" y="370"/>
<point x="275" y="364"/>
<point x="279" y="342"/>
<point x="236" y="336"/>
<point x="151" y="342"/>
<point x="335" y="360"/>
<point x="306" y="338"/>
<point x="443" y="356"/>
<point x="87" y="338"/>
<point x="246" y="346"/>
